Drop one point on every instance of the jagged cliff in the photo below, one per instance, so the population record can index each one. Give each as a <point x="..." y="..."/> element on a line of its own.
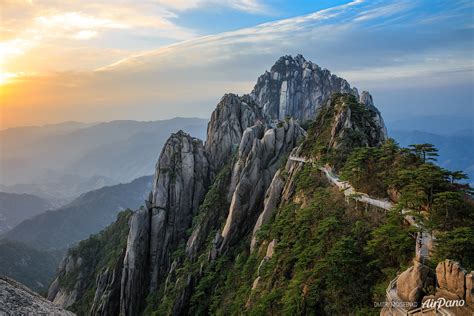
<point x="227" y="187"/>
<point x="233" y="226"/>
<point x="296" y="88"/>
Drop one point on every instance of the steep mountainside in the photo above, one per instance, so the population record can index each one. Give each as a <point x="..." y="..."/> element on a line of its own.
<point x="248" y="223"/>
<point x="15" y="208"/>
<point x="86" y="215"/>
<point x="93" y="269"/>
<point x="34" y="268"/>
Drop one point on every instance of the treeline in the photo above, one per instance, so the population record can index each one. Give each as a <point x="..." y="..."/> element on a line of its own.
<point x="409" y="176"/>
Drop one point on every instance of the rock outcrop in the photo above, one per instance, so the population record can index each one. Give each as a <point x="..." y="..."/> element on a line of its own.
<point x="451" y="282"/>
<point x="454" y="284"/>
<point x="208" y="198"/>
<point x="17" y="299"/>
<point x="272" y="199"/>
<point x="260" y="155"/>
<point x="232" y="116"/>
<point x="66" y="296"/>
<point x="134" y="279"/>
<point x="107" y="295"/>
<point x="349" y="118"/>
<point x="412" y="283"/>
<point x="296" y="88"/>
<point x="181" y="180"/>
<point x="451" y="277"/>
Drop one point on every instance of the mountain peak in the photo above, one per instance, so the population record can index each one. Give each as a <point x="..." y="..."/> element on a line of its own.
<point x="296" y="88"/>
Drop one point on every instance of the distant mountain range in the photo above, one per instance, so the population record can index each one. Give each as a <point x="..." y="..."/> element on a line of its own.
<point x="59" y="162"/>
<point x="14" y="208"/>
<point x="86" y="215"/>
<point x="455" y="152"/>
<point x="30" y="266"/>
<point x="435" y="124"/>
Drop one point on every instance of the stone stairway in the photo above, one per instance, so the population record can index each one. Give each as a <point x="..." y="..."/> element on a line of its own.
<point x="423" y="244"/>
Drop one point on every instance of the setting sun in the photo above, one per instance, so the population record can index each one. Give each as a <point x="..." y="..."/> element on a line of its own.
<point x="6" y="77"/>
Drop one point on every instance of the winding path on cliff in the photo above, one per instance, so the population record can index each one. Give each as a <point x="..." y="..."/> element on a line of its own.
<point x="422" y="252"/>
<point x="423" y="241"/>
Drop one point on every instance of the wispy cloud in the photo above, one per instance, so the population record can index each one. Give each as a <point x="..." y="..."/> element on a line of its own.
<point x="376" y="45"/>
<point x="251" y="6"/>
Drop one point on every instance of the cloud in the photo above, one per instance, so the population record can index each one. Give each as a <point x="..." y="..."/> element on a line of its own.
<point x="384" y="11"/>
<point x="77" y="20"/>
<point x="249" y="6"/>
<point x="188" y="78"/>
<point x="85" y="34"/>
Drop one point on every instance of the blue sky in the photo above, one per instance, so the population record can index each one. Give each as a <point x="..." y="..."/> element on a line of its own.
<point x="161" y="58"/>
<point x="209" y="20"/>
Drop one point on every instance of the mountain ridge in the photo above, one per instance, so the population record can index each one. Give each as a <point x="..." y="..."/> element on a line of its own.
<point x="233" y="226"/>
<point x="88" y="214"/>
<point x="238" y="131"/>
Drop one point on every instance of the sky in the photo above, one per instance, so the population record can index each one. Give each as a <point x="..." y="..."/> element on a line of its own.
<point x="146" y="60"/>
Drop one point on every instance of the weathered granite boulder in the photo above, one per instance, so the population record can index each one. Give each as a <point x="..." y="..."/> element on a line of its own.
<point x="451" y="277"/>
<point x="17" y="299"/>
<point x="470" y="289"/>
<point x="413" y="283"/>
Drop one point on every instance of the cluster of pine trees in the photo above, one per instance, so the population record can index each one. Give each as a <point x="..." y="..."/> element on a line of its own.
<point x="410" y="177"/>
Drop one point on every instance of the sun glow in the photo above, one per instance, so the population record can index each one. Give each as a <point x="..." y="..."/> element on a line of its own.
<point x="6" y="77"/>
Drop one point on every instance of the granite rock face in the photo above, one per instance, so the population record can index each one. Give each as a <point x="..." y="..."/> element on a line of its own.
<point x="272" y="199"/>
<point x="296" y="88"/>
<point x="451" y="277"/>
<point x="260" y="155"/>
<point x="367" y="100"/>
<point x="454" y="283"/>
<point x="279" y="191"/>
<point x="134" y="279"/>
<point x="207" y="198"/>
<point x="412" y="282"/>
<point x="347" y="120"/>
<point x="107" y="294"/>
<point x="181" y="180"/>
<point x="62" y="296"/>
<point x="470" y="289"/>
<point x="17" y="299"/>
<point x="228" y="122"/>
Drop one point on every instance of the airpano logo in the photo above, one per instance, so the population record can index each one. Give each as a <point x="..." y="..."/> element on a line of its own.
<point x="442" y="302"/>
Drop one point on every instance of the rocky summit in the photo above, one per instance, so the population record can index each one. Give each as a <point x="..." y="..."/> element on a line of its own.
<point x="251" y="220"/>
<point x="295" y="87"/>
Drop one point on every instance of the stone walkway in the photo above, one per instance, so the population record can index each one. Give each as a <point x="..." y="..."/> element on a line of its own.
<point x="422" y="250"/>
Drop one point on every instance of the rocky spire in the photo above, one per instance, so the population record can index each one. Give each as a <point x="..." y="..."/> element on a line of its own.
<point x="260" y="154"/>
<point x="296" y="88"/>
<point x="367" y="100"/>
<point x="233" y="114"/>
<point x="242" y="134"/>
<point x="181" y="180"/>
